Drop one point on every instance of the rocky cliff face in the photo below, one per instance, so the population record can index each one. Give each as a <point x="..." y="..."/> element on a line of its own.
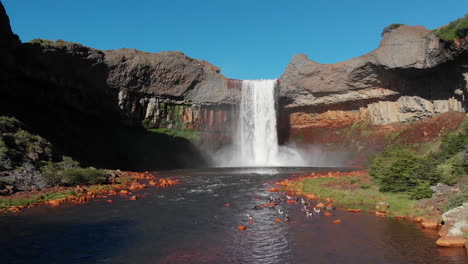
<point x="410" y="76"/>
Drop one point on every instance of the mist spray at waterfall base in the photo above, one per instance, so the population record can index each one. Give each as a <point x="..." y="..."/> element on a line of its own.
<point x="256" y="139"/>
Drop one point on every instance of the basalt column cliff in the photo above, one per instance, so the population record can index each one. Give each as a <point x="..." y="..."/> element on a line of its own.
<point x="96" y="105"/>
<point x="412" y="75"/>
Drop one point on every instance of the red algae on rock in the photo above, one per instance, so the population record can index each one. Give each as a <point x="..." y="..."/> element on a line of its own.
<point x="81" y="194"/>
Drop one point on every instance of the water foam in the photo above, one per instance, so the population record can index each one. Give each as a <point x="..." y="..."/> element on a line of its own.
<point x="256" y="139"/>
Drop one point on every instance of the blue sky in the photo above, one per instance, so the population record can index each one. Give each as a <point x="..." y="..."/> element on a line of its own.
<point x="247" y="39"/>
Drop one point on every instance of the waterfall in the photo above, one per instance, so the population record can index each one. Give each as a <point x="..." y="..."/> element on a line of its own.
<point x="256" y="139"/>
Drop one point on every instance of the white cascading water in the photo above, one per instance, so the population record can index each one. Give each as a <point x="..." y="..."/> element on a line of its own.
<point x="256" y="140"/>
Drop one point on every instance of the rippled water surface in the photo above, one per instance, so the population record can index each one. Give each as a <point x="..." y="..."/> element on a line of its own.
<point x="188" y="223"/>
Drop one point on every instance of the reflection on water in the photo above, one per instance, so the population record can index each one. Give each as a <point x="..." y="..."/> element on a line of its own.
<point x="189" y="223"/>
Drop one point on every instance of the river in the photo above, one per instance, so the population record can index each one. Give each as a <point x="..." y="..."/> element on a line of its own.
<point x="189" y="223"/>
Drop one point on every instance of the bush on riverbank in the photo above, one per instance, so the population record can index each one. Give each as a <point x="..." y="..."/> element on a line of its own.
<point x="68" y="173"/>
<point x="398" y="169"/>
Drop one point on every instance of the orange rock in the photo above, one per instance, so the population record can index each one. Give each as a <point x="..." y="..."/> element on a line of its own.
<point x="153" y="183"/>
<point x="134" y="197"/>
<point x="274" y="189"/>
<point x="267" y="205"/>
<point x="329" y="200"/>
<point x="337" y="221"/>
<point x="112" y="192"/>
<point x="319" y="205"/>
<point x="14" y="209"/>
<point x="430" y="223"/>
<point x="418" y="219"/>
<point x="136" y="185"/>
<point x="228" y="204"/>
<point x="250" y="221"/>
<point x="124" y="192"/>
<point x="110" y="201"/>
<point x="399" y="217"/>
<point x="277" y="220"/>
<point x="380" y="214"/>
<point x="446" y="241"/>
<point x="82" y="199"/>
<point x="354" y="210"/>
<point x="310" y="196"/>
<point x="292" y="201"/>
<point x="242" y="227"/>
<point x="327" y="214"/>
<point x="54" y="202"/>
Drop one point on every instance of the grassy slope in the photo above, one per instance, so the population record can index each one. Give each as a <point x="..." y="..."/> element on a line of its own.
<point x="363" y="193"/>
<point x="364" y="197"/>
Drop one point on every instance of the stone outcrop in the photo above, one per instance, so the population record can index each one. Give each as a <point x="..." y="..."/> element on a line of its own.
<point x="410" y="108"/>
<point x="404" y="63"/>
<point x="412" y="75"/>
<point x="456" y="225"/>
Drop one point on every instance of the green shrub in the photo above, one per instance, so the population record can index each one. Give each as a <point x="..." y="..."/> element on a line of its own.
<point x="51" y="171"/>
<point x="457" y="200"/>
<point x="3" y="155"/>
<point x="398" y="169"/>
<point x="47" y="42"/>
<point x="68" y="172"/>
<point x="82" y="176"/>
<point x="455" y="29"/>
<point x="365" y="186"/>
<point x="9" y="124"/>
<point x="451" y="145"/>
<point x="421" y="191"/>
<point x="390" y="28"/>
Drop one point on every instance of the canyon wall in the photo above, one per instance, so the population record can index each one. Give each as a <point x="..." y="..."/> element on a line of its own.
<point x="411" y="76"/>
<point x="59" y="86"/>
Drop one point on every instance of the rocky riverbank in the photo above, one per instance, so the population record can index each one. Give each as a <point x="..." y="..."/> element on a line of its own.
<point x="123" y="185"/>
<point x="356" y="192"/>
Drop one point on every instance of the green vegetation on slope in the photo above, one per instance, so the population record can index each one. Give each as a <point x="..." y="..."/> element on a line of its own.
<point x="457" y="200"/>
<point x="187" y="134"/>
<point x="47" y="42"/>
<point x="364" y="198"/>
<point x="455" y="29"/>
<point x="19" y="147"/>
<point x="400" y="169"/>
<point x="68" y="173"/>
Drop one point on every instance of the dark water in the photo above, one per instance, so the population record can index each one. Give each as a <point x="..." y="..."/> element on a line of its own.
<point x="188" y="223"/>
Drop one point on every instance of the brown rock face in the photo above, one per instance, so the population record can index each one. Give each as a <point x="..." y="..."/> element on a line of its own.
<point x="406" y="78"/>
<point x="168" y="75"/>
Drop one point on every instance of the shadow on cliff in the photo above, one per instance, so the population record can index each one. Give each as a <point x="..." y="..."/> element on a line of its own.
<point x="98" y="141"/>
